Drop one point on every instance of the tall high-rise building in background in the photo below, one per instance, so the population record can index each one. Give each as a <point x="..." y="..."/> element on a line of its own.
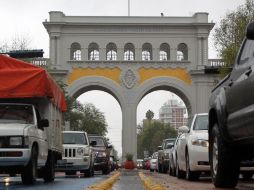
<point x="173" y="112"/>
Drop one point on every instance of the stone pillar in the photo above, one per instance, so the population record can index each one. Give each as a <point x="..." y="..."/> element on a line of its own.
<point x="155" y="55"/>
<point x="129" y="130"/>
<point x="173" y="52"/>
<point x="205" y="51"/>
<point x="120" y="54"/>
<point x="103" y="55"/>
<point x="138" y="54"/>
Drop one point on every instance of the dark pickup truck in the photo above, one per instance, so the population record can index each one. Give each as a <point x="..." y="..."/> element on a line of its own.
<point x="231" y="119"/>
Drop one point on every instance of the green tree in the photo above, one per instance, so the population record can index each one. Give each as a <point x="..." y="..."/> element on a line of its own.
<point x="149" y="115"/>
<point x="230" y="33"/>
<point x="17" y="42"/>
<point x="152" y="135"/>
<point x="83" y="117"/>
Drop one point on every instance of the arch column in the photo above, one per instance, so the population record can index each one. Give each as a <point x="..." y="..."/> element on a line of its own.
<point x="129" y="130"/>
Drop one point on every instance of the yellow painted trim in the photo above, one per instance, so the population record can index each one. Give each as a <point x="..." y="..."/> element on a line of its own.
<point x="179" y="73"/>
<point x="77" y="73"/>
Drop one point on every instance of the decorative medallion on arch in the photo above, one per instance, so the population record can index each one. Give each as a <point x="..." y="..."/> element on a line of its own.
<point x="129" y="78"/>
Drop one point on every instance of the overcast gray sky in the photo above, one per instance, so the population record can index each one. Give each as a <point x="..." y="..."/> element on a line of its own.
<point x="25" y="17"/>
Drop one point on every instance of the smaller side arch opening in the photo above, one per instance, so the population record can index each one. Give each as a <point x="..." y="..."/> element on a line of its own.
<point x="129" y="52"/>
<point x="182" y="52"/>
<point x="164" y="52"/>
<point x="93" y="52"/>
<point x="75" y="53"/>
<point x="111" y="51"/>
<point x="147" y="52"/>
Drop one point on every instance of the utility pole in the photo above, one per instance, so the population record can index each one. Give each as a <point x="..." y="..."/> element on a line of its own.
<point x="128" y="7"/>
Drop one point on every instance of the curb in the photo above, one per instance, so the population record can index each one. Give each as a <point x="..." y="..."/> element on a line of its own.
<point x="149" y="183"/>
<point x="106" y="184"/>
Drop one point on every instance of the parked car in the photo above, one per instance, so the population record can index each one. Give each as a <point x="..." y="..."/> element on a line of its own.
<point x="172" y="157"/>
<point x="163" y="154"/>
<point x="154" y="162"/>
<point x="77" y="154"/>
<point x="231" y="113"/>
<point x="140" y="163"/>
<point x="102" y="153"/>
<point x="192" y="148"/>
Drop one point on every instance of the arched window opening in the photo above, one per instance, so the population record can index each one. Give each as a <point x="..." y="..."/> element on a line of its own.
<point x="75" y="51"/>
<point x="111" y="51"/>
<point x="146" y="52"/>
<point x="129" y="52"/>
<point x="164" y="52"/>
<point x="93" y="51"/>
<point x="182" y="52"/>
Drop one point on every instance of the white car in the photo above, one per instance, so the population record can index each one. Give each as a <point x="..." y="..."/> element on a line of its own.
<point x="154" y="162"/>
<point x="192" y="148"/>
<point x="77" y="155"/>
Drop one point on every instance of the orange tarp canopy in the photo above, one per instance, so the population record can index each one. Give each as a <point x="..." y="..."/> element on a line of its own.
<point x="19" y="79"/>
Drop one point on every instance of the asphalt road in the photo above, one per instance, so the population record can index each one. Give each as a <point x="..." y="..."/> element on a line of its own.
<point x="62" y="182"/>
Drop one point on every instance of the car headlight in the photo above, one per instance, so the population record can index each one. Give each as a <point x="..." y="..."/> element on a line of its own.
<point x="16" y="141"/>
<point x="80" y="151"/>
<point x="101" y="154"/>
<point x="200" y="142"/>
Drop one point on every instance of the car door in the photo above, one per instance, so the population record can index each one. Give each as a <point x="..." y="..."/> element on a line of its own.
<point x="240" y="93"/>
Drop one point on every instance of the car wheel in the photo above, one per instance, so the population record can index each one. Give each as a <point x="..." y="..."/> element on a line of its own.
<point x="224" y="163"/>
<point x="190" y="175"/>
<point x="29" y="174"/>
<point x="179" y="173"/>
<point x="106" y="170"/>
<point x="89" y="172"/>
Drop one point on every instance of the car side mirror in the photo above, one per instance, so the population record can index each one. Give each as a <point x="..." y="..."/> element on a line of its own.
<point x="109" y="146"/>
<point x="159" y="147"/>
<point x="93" y="143"/>
<point x="43" y="123"/>
<point x="183" y="129"/>
<point x="250" y="31"/>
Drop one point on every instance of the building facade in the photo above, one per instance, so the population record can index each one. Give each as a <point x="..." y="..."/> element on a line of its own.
<point x="174" y="113"/>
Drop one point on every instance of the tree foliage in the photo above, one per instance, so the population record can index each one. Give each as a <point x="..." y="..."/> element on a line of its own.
<point x="149" y="115"/>
<point x="230" y="33"/>
<point x="152" y="135"/>
<point x="84" y="117"/>
<point x="17" y="42"/>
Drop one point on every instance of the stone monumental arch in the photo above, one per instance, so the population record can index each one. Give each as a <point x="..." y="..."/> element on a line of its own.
<point x="129" y="57"/>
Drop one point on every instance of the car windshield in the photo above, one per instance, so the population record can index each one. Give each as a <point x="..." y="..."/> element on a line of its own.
<point x="99" y="141"/>
<point x="201" y="123"/>
<point x="74" y="138"/>
<point x="16" y="114"/>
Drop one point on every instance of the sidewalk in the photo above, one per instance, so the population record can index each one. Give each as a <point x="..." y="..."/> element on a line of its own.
<point x="129" y="180"/>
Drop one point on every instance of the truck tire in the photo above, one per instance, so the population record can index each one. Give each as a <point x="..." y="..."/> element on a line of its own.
<point x="224" y="162"/>
<point x="29" y="173"/>
<point x="49" y="169"/>
<point x="106" y="170"/>
<point x="190" y="175"/>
